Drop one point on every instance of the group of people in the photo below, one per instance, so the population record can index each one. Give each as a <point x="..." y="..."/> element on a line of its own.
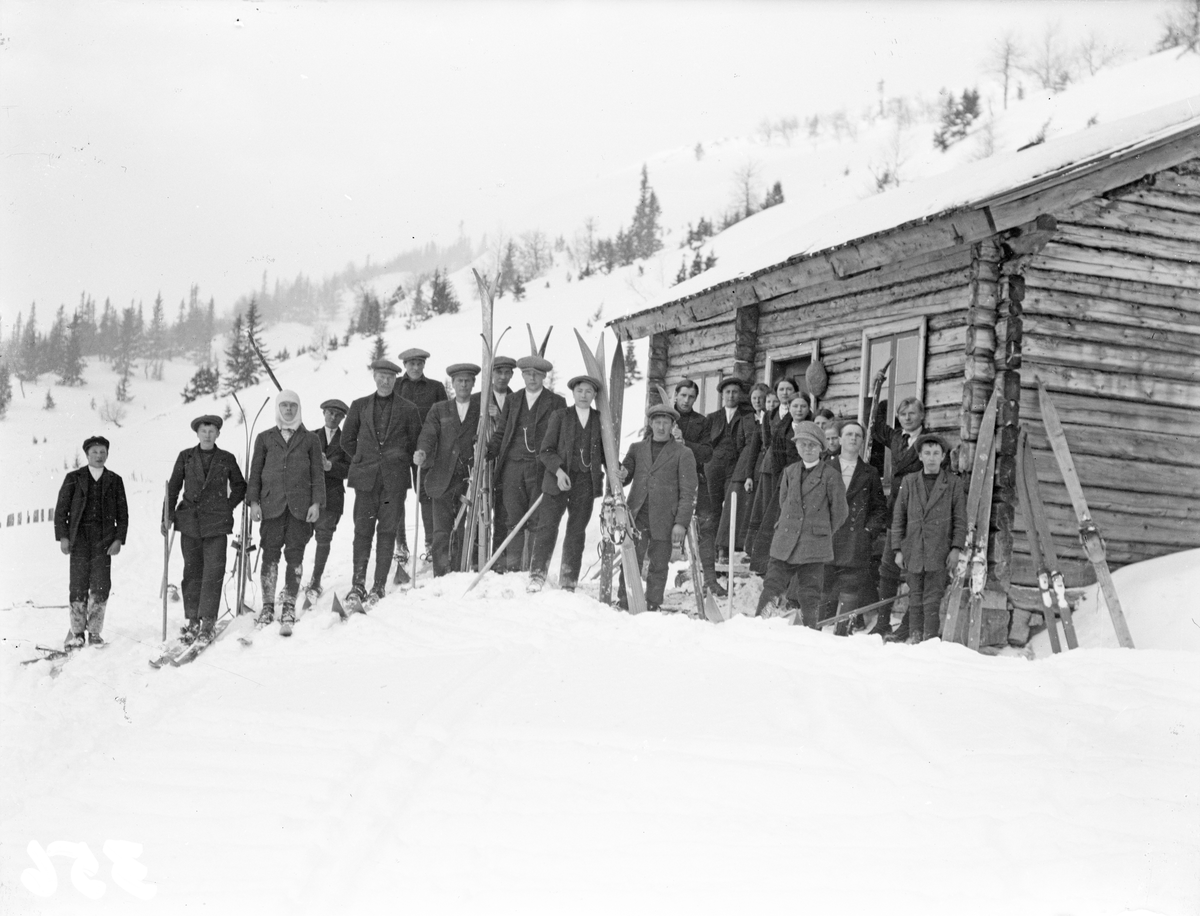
<point x="812" y="511"/>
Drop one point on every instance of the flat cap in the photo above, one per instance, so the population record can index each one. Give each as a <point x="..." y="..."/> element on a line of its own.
<point x="590" y="379"/>
<point x="540" y="363"/>
<point x="661" y="410"/>
<point x="504" y="362"/>
<point x="731" y="380"/>
<point x="335" y="404"/>
<point x="94" y="440"/>
<point x="928" y="438"/>
<point x="385" y="365"/>
<point x="463" y="369"/>
<point x="210" y="418"/>
<point x="413" y="353"/>
<point x="808" y="430"/>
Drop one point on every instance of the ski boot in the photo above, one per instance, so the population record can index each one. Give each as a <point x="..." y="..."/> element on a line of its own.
<point x="287" y="620"/>
<point x="377" y="594"/>
<point x="190" y="630"/>
<point x="265" y="617"/>
<point x="73" y="641"/>
<point x="95" y="639"/>
<point x="207" y="631"/>
<point x="536" y="583"/>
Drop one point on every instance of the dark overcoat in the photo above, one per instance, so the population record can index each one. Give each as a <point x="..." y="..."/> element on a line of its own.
<point x="563" y="432"/>
<point x="692" y="424"/>
<point x="424" y="393"/>
<point x="286" y="476"/>
<point x="72" y="497"/>
<point x="373" y="459"/>
<point x="727" y="438"/>
<point x="543" y="407"/>
<point x="206" y="509"/>
<point x="335" y="489"/>
<point x="448" y="444"/>
<point x="668" y="484"/>
<point x="809" y="514"/>
<point x="925" y="528"/>
<point x="867" y="516"/>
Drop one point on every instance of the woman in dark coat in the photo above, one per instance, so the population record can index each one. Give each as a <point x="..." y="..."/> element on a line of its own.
<point x="780" y="453"/>
<point x="212" y="486"/>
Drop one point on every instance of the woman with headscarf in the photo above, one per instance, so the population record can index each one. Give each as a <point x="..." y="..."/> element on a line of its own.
<point x="286" y="493"/>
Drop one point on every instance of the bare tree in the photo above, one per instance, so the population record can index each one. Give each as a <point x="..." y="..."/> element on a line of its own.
<point x="787" y="128"/>
<point x="886" y="170"/>
<point x="1003" y="61"/>
<point x="1048" y="61"/>
<point x="1095" y="54"/>
<point x="1181" y="27"/>
<point x="535" y="253"/>
<point x="746" y="188"/>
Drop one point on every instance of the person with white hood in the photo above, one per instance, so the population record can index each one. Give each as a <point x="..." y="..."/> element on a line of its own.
<point x="286" y="492"/>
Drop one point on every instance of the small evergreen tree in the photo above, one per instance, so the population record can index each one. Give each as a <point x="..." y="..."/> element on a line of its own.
<point x="29" y="355"/>
<point x="508" y="269"/>
<point x="442" y="299"/>
<point x="697" y="265"/>
<point x="241" y="365"/>
<point x="774" y="196"/>
<point x="380" y="350"/>
<point x="518" y="289"/>
<point x="49" y="403"/>
<point x="957" y="117"/>
<point x="70" y="371"/>
<point x="683" y="271"/>
<point x="5" y="389"/>
<point x="207" y="380"/>
<point x="645" y="234"/>
<point x="633" y="372"/>
<point x="127" y="347"/>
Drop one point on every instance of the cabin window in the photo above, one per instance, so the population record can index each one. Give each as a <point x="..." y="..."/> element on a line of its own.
<point x="792" y="364"/>
<point x="707" y="401"/>
<point x="902" y="343"/>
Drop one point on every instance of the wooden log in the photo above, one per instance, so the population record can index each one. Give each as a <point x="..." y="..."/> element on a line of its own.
<point x="1114" y="441"/>
<point x="1100" y="472"/>
<point x="1151" y="323"/>
<point x="1115" y="384"/>
<point x="1183" y="179"/>
<point x="978" y="368"/>
<point x="1012" y="287"/>
<point x="1176" y="348"/>
<point x="1134" y="216"/>
<point x="1181" y="203"/>
<point x="1029" y="238"/>
<point x="1071" y="259"/>
<point x="1160" y="366"/>
<point x="1105" y="416"/>
<point x="745" y="334"/>
<point x="1115" y="290"/>
<point x="981" y="341"/>
<point x="1152" y="247"/>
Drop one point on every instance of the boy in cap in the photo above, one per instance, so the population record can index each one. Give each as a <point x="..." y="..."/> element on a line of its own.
<point x="212" y="486"/>
<point x="445" y="451"/>
<point x="661" y="496"/>
<point x="812" y="506"/>
<point x="573" y="454"/>
<point x="423" y="393"/>
<point x="514" y="447"/>
<point x="726" y="430"/>
<point x="91" y="522"/>
<point x="929" y="519"/>
<point x="502" y="373"/>
<point x="336" y="463"/>
<point x="286" y="493"/>
<point x="380" y="436"/>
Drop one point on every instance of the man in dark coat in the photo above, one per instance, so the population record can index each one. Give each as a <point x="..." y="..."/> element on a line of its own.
<point x="502" y="373"/>
<point x="514" y="447"/>
<point x="380" y="436"/>
<point x="286" y="492"/>
<point x="689" y="431"/>
<point x="812" y="506"/>
<point x="444" y="452"/>
<point x="336" y="463"/>
<point x="573" y="455"/>
<point x="212" y="487"/>
<point x="423" y="393"/>
<point x="853" y="569"/>
<point x="662" y="492"/>
<point x="727" y="430"/>
<point x="91" y="522"/>
<point x="929" y="519"/>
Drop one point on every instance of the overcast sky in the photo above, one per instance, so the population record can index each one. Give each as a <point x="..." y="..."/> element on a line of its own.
<point x="148" y="145"/>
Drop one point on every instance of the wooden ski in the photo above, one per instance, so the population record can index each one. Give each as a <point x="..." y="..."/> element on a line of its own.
<point x="1089" y="534"/>
<point x="513" y="532"/>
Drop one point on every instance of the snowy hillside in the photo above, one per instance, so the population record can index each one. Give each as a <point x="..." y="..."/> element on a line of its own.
<point x="503" y="753"/>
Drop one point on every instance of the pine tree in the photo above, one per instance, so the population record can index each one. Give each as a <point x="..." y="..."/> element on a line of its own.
<point x="254" y="332"/>
<point x="29" y="355"/>
<point x="54" y="348"/>
<point x="518" y="289"/>
<point x="5" y="389"/>
<point x="645" y="234"/>
<point x="207" y="380"/>
<point x="683" y="271"/>
<point x="442" y="299"/>
<point x="632" y="372"/>
<point x="957" y="117"/>
<point x="157" y="339"/>
<point x="774" y="196"/>
<point x="70" y="371"/>
<point x="508" y="269"/>
<point x="380" y="349"/>
<point x="106" y="334"/>
<point x="127" y="349"/>
<point x="710" y="261"/>
<point x="241" y="364"/>
<point x="697" y="265"/>
<point x="49" y="402"/>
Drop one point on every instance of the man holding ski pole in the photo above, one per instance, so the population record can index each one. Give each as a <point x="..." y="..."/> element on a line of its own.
<point x="423" y="393"/>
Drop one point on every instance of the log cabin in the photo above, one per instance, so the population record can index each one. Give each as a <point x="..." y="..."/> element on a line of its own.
<point x="1076" y="261"/>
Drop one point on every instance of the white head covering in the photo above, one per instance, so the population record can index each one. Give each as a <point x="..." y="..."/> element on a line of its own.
<point x="287" y="395"/>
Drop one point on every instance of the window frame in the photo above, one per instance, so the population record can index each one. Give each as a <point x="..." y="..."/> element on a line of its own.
<point x="887" y="329"/>
<point x="808" y="348"/>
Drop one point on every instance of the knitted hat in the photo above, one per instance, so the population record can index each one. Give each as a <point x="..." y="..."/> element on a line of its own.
<point x="211" y="419"/>
<point x="808" y="430"/>
<point x="94" y="440"/>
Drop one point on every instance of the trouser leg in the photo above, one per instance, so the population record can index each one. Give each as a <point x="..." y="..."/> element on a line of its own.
<point x="934" y="587"/>
<point x="296" y="538"/>
<point x="553" y="507"/>
<point x="326" y="525"/>
<point x="775" y="582"/>
<point x="580" y="502"/>
<point x="212" y="578"/>
<point x="366" y="513"/>
<point x="271" y="535"/>
<point x="807" y="581"/>
<point x="391" y="504"/>
<point x="522" y="484"/>
<point x="659" y="553"/>
<point x="445" y="537"/>
<point x="192" y="582"/>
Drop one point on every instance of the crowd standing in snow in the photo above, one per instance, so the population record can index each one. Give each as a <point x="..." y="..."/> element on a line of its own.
<point x="811" y="511"/>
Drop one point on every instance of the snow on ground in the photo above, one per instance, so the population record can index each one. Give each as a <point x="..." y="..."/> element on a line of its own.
<point x="502" y="752"/>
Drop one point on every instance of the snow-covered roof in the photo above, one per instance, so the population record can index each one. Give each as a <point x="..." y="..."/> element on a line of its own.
<point x="787" y="234"/>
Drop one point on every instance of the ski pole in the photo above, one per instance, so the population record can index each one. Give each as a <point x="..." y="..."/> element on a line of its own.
<point x="508" y="540"/>
<point x="166" y="551"/>
<point x="732" y="532"/>
<point x="417" y="530"/>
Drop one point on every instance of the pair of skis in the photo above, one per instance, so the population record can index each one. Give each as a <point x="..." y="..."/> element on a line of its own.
<point x="182" y="652"/>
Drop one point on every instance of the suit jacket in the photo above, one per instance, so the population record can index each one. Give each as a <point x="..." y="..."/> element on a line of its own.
<point x="925" y="528"/>
<point x="373" y="461"/>
<point x="750" y="460"/>
<point x="502" y="436"/>
<point x="423" y="393"/>
<point x="335" y="490"/>
<point x="868" y="515"/>
<point x="286" y="476"/>
<point x="809" y="514"/>
<point x="562" y="435"/>
<point x="773" y="426"/>
<point x="72" y="498"/>
<point x="727" y="438"/>
<point x="208" y="500"/>
<point x="905" y="461"/>
<point x="668" y="485"/>
<point x="448" y="444"/>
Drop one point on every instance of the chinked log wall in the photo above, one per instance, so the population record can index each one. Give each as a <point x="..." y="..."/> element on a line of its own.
<point x="1112" y="326"/>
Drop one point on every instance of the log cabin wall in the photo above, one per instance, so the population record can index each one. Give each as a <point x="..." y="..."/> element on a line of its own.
<point x="1111" y="324"/>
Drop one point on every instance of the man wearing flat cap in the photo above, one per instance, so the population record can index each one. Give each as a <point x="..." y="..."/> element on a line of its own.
<point x="514" y="447"/>
<point x="662" y="474"/>
<point x="380" y="436"/>
<point x="424" y="393"/>
<point x="572" y="453"/>
<point x="812" y="507"/>
<point x="336" y="464"/>
<point x="444" y="452"/>
<point x="727" y="430"/>
<point x="503" y="368"/>
<point x="211" y="486"/>
<point x="91" y="522"/>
